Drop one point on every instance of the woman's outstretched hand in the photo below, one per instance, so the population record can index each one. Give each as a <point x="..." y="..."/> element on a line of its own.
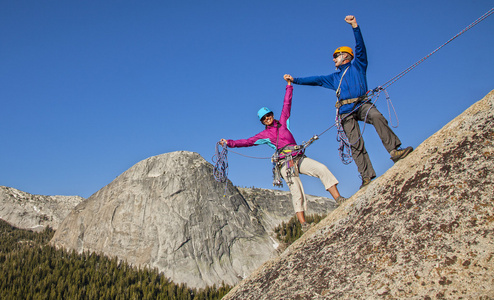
<point x="223" y="142"/>
<point x="288" y="78"/>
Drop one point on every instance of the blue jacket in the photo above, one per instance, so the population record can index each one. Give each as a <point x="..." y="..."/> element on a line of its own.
<point x="354" y="83"/>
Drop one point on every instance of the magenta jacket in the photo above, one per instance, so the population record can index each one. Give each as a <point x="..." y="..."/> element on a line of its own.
<point x="277" y="135"/>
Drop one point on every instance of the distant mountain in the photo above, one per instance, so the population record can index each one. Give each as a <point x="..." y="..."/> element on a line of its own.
<point x="168" y="212"/>
<point x="35" y="212"/>
<point x="423" y="230"/>
<point x="273" y="206"/>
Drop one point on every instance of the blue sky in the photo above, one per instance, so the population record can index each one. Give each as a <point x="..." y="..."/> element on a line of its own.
<point x="90" y="88"/>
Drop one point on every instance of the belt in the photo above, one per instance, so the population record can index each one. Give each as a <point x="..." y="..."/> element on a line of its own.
<point x="340" y="103"/>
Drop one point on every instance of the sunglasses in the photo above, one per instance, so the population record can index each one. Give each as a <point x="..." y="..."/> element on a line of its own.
<point x="266" y="116"/>
<point x="338" y="54"/>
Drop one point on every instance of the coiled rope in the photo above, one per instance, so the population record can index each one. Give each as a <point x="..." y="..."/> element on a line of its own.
<point x="220" y="167"/>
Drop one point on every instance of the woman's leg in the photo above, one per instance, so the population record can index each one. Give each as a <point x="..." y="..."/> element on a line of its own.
<point x="298" y="196"/>
<point x="313" y="168"/>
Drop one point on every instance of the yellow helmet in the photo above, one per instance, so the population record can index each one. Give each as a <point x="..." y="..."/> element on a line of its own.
<point x="343" y="49"/>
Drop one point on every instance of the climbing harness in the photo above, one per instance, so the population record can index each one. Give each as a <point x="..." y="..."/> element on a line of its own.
<point x="220" y="168"/>
<point x="288" y="156"/>
<point x="221" y="161"/>
<point x="340" y="103"/>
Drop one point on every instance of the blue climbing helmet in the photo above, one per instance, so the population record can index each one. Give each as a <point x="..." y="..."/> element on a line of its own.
<point x="262" y="112"/>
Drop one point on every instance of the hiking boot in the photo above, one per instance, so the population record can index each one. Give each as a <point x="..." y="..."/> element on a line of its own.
<point x="365" y="181"/>
<point x="340" y="200"/>
<point x="306" y="226"/>
<point x="398" y="154"/>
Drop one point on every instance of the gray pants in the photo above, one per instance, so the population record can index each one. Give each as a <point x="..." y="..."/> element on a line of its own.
<point x="352" y="131"/>
<point x="312" y="168"/>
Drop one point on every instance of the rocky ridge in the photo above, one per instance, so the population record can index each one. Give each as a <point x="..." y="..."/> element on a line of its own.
<point x="272" y="207"/>
<point x="423" y="230"/>
<point x="34" y="212"/>
<point x="168" y="212"/>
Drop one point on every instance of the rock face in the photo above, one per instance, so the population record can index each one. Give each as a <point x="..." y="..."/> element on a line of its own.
<point x="273" y="206"/>
<point x="34" y="212"/>
<point x="423" y="230"/>
<point x="168" y="212"/>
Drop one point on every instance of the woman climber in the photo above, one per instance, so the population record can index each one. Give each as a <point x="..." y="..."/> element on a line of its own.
<point x="289" y="159"/>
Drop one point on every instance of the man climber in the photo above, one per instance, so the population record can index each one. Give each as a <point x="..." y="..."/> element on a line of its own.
<point x="350" y="84"/>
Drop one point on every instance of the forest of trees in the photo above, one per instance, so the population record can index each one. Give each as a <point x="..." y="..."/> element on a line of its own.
<point x="289" y="232"/>
<point x="32" y="269"/>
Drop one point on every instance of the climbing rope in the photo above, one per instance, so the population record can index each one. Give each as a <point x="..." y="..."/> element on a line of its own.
<point x="220" y="168"/>
<point x="394" y="79"/>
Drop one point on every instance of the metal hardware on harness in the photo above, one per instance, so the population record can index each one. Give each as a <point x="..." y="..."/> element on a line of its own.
<point x="291" y="169"/>
<point x="312" y="139"/>
<point x="277" y="176"/>
<point x="288" y="156"/>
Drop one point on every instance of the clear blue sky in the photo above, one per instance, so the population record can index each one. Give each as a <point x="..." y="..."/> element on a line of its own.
<point x="90" y="88"/>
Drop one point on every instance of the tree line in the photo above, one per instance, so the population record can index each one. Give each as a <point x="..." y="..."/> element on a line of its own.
<point x="32" y="269"/>
<point x="289" y="232"/>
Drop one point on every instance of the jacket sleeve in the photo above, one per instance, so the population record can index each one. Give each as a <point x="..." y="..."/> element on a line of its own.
<point x="287" y="105"/>
<point x="323" y="80"/>
<point x="360" y="51"/>
<point x="258" y="139"/>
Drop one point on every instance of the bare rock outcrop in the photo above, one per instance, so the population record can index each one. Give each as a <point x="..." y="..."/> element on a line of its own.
<point x="423" y="230"/>
<point x="168" y="212"/>
<point x="34" y="212"/>
<point x="273" y="207"/>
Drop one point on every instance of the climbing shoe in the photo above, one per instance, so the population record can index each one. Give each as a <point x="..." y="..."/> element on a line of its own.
<point x="365" y="181"/>
<point x="306" y="226"/>
<point x="398" y="154"/>
<point x="340" y="200"/>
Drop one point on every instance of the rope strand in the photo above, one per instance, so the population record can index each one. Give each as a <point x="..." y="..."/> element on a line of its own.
<point x="394" y="79"/>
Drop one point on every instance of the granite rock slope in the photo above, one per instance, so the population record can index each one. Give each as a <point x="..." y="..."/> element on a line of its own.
<point x="34" y="212"/>
<point x="423" y="230"/>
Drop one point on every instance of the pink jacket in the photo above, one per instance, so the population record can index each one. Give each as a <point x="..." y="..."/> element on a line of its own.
<point x="278" y="135"/>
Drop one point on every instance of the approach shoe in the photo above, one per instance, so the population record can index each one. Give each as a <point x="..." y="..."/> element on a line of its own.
<point x="365" y="181"/>
<point x="398" y="154"/>
<point x="306" y="226"/>
<point x="340" y="200"/>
